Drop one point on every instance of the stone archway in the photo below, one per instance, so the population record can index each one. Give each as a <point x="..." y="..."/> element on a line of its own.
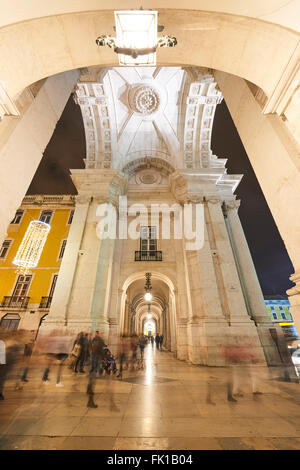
<point x="239" y="48"/>
<point x="134" y="309"/>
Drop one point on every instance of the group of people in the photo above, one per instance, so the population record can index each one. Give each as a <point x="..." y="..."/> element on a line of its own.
<point x="159" y="341"/>
<point x="91" y="351"/>
<point x="86" y="354"/>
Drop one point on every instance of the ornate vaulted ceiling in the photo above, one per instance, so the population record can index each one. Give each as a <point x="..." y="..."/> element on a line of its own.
<point x="148" y="112"/>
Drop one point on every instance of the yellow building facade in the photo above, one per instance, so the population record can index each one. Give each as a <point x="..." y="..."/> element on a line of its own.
<point x="25" y="299"/>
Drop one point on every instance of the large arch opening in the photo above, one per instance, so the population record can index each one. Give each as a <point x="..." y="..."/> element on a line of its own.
<point x="157" y="316"/>
<point x="239" y="45"/>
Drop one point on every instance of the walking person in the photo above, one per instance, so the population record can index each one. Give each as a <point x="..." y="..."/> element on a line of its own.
<point x="134" y="347"/>
<point x="81" y="356"/>
<point x="142" y="343"/>
<point x="157" y="340"/>
<point x="28" y="349"/>
<point x="122" y="353"/>
<point x="97" y="353"/>
<point x="161" y="338"/>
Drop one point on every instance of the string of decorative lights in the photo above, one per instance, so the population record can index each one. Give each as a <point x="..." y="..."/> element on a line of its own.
<point x="31" y="247"/>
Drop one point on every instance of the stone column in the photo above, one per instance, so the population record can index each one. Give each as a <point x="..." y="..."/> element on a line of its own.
<point x="274" y="155"/>
<point x="217" y="311"/>
<point x="241" y="326"/>
<point x="205" y="320"/>
<point x="172" y="323"/>
<point x="59" y="311"/>
<point x="250" y="285"/>
<point x="21" y="149"/>
<point x="114" y="309"/>
<point x="86" y="295"/>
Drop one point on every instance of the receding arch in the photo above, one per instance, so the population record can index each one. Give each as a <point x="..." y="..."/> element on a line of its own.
<point x="164" y="316"/>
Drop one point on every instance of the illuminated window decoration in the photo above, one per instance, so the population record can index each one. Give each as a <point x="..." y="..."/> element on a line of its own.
<point x="31" y="247"/>
<point x="136" y="37"/>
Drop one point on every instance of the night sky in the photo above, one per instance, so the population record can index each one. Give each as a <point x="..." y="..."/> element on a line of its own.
<point x="66" y="150"/>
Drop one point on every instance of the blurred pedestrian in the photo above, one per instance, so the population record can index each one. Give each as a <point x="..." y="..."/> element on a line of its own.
<point x="97" y="353"/>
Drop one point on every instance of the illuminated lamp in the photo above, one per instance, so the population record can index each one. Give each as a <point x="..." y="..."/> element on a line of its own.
<point x="136" y="37"/>
<point x="148" y="288"/>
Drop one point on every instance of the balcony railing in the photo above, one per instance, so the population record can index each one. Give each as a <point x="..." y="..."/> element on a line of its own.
<point x="148" y="256"/>
<point x="13" y="301"/>
<point x="45" y="302"/>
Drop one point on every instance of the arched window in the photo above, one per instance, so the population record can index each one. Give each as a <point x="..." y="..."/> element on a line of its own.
<point x="10" y="321"/>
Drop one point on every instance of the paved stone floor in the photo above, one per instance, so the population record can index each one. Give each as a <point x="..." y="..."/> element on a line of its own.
<point x="161" y="407"/>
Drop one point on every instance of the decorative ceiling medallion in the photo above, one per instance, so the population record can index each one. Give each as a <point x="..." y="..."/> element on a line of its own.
<point x="144" y="99"/>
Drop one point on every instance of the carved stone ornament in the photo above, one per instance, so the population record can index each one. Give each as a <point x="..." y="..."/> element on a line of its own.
<point x="229" y="205"/>
<point x="213" y="199"/>
<point x="148" y="176"/>
<point x="82" y="199"/>
<point x="144" y="99"/>
<point x="192" y="198"/>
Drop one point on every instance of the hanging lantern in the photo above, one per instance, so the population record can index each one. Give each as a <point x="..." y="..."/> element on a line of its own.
<point x="148" y="288"/>
<point x="136" y="38"/>
<point x="136" y="30"/>
<point x="31" y="247"/>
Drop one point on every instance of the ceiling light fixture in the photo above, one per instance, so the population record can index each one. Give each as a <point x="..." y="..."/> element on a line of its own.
<point x="136" y="37"/>
<point x="148" y="288"/>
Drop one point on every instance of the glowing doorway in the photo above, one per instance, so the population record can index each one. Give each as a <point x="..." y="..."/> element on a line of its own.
<point x="149" y="328"/>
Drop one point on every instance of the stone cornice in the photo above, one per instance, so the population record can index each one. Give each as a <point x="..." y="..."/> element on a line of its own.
<point x="102" y="185"/>
<point x="51" y="201"/>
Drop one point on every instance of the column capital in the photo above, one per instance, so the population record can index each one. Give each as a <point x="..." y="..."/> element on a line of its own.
<point x="233" y="204"/>
<point x="104" y="186"/>
<point x="82" y="199"/>
<point x="213" y="199"/>
<point x="295" y="290"/>
<point x="194" y="186"/>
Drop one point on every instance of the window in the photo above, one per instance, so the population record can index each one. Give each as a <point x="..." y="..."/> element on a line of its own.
<point x="4" y="249"/>
<point x="148" y="239"/>
<point x="283" y="315"/>
<point x="62" y="249"/>
<point x="53" y="285"/>
<point x="274" y="313"/>
<point x="21" y="288"/>
<point x="10" y="321"/>
<point x="70" y="217"/>
<point x="46" y="216"/>
<point x="18" y="217"/>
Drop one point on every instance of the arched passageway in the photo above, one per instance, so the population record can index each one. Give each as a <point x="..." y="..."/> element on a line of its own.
<point x="156" y="316"/>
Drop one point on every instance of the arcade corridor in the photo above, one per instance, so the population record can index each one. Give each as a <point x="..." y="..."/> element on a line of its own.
<point x="167" y="405"/>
